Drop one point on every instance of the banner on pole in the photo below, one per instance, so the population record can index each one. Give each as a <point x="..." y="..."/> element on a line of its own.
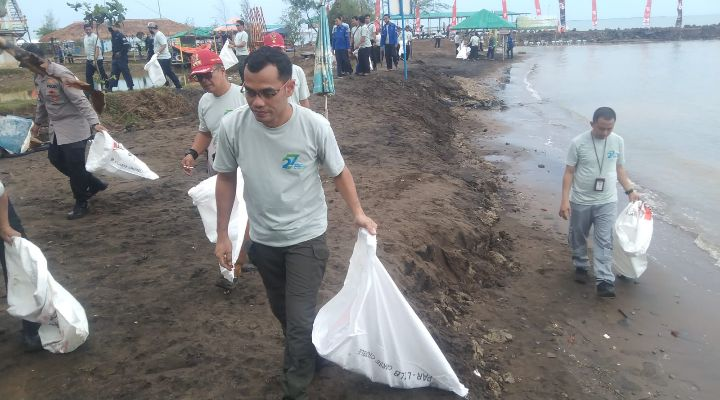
<point x="537" y="7"/>
<point x="594" y="13"/>
<point x="453" y="21"/>
<point x="417" y="19"/>
<point x="504" y="6"/>
<point x="678" y="21"/>
<point x="646" y="17"/>
<point x="561" y="28"/>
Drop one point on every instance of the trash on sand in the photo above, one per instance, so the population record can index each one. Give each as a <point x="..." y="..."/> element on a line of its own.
<point x="606" y="336"/>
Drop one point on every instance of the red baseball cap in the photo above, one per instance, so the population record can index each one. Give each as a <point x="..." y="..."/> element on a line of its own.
<point x="274" y="39"/>
<point x="203" y="61"/>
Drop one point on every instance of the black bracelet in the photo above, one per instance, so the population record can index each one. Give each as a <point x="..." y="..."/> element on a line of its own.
<point x="193" y="153"/>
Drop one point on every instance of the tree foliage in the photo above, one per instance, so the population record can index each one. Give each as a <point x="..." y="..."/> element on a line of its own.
<point x="110" y="13"/>
<point x="349" y="8"/>
<point x="49" y="25"/>
<point x="430" y="6"/>
<point x="309" y="9"/>
<point x="292" y="20"/>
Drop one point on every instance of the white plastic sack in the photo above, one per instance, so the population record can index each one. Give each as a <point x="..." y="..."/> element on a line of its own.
<point x="109" y="157"/>
<point x="463" y="52"/>
<point x="35" y="296"/>
<point x="369" y="328"/>
<point x="203" y="196"/>
<point x="227" y="55"/>
<point x="155" y="72"/>
<point x="633" y="232"/>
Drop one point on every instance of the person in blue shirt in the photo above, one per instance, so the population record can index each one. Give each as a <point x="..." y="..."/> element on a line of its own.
<point x="510" y="46"/>
<point x="389" y="39"/>
<point x="341" y="47"/>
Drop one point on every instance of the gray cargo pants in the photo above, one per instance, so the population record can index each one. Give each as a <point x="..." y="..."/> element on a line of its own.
<point x="292" y="276"/>
<point x="602" y="218"/>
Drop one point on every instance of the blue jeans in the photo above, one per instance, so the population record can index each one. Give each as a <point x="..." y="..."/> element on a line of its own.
<point x="602" y="218"/>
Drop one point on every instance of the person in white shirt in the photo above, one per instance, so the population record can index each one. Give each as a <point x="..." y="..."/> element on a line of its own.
<point x="221" y="97"/>
<point x="301" y="94"/>
<point x="240" y="44"/>
<point x="438" y="39"/>
<point x="408" y="42"/>
<point x="457" y="39"/>
<point x="93" y="55"/>
<point x="474" y="42"/>
<point x="161" y="47"/>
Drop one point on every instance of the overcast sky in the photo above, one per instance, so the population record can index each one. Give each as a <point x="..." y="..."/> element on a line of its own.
<point x="205" y="12"/>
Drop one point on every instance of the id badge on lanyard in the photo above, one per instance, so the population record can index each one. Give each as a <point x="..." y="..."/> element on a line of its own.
<point x="599" y="182"/>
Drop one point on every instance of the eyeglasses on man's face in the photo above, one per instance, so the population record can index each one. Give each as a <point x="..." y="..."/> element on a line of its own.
<point x="267" y="93"/>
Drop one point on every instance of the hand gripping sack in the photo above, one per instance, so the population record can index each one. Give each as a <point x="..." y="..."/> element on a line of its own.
<point x="203" y="197"/>
<point x="633" y="232"/>
<point x="109" y="157"/>
<point x="369" y="328"/>
<point x="227" y="55"/>
<point x="35" y="296"/>
<point x="155" y="72"/>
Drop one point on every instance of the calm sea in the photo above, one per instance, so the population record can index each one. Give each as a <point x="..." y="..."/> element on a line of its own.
<point x="656" y="22"/>
<point x="666" y="96"/>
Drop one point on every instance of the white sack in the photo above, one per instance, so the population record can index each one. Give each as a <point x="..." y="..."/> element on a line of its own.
<point x="369" y="328"/>
<point x="35" y="296"/>
<point x="109" y="157"/>
<point x="203" y="196"/>
<point x="155" y="72"/>
<point x="227" y="55"/>
<point x="463" y="52"/>
<point x="633" y="232"/>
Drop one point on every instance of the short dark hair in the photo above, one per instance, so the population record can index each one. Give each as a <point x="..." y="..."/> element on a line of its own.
<point x="604" y="113"/>
<point x="386" y="15"/>
<point x="87" y="25"/>
<point x="240" y="22"/>
<point x="264" y="56"/>
<point x="35" y="49"/>
<point x="356" y="18"/>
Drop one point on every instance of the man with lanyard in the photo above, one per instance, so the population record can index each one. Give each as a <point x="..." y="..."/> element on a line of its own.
<point x="10" y="227"/>
<point x="221" y="97"/>
<point x="161" y="47"/>
<point x="389" y="39"/>
<point x="240" y="44"/>
<point x="280" y="148"/>
<point x="71" y="119"/>
<point x="595" y="161"/>
<point x="93" y="55"/>
<point x="120" y="48"/>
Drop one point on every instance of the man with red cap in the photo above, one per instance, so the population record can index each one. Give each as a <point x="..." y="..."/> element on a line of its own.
<point x="221" y="98"/>
<point x="301" y="95"/>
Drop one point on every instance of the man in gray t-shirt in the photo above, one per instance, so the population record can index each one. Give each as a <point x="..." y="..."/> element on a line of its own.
<point x="280" y="148"/>
<point x="595" y="162"/>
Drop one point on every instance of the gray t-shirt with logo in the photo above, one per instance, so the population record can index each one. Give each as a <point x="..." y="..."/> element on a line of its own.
<point x="281" y="169"/>
<point x="584" y="157"/>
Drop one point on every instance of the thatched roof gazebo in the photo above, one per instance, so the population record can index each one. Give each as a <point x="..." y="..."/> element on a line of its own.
<point x="129" y="27"/>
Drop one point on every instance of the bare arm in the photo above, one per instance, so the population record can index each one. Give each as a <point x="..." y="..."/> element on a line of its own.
<point x="626" y="183"/>
<point x="224" y="197"/>
<point x="5" y="229"/>
<point x="346" y="186"/>
<point x="566" y="184"/>
<point x="200" y="145"/>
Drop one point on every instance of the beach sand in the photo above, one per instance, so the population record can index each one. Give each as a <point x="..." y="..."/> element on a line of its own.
<point x="451" y="234"/>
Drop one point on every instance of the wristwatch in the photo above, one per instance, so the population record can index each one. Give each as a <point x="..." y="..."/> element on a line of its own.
<point x="629" y="191"/>
<point x="193" y="153"/>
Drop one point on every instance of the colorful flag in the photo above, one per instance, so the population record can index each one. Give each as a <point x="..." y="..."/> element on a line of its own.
<point x="377" y="15"/>
<point x="417" y="19"/>
<point x="504" y="4"/>
<point x="537" y="7"/>
<point x="646" y="17"/>
<point x="678" y="21"/>
<point x="453" y="22"/>
<point x="594" y="13"/>
<point x="561" y="28"/>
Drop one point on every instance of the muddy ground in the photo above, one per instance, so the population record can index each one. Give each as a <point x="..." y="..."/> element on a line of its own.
<point x="159" y="328"/>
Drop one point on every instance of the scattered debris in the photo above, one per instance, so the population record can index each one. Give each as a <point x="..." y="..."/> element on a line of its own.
<point x="551" y="355"/>
<point x="498" y="336"/>
<point x="606" y="336"/>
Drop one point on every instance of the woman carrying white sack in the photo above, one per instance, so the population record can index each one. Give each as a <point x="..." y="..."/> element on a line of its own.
<point x="10" y="227"/>
<point x="221" y="98"/>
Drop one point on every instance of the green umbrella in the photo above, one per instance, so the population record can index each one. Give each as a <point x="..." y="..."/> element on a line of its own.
<point x="323" y="83"/>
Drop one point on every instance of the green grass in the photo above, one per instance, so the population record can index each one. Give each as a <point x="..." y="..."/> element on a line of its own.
<point x="18" y="107"/>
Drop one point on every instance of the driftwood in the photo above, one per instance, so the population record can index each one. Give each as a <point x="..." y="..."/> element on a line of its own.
<point x="34" y="63"/>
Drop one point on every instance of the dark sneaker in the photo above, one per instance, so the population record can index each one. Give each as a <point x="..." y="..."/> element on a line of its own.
<point x="581" y="275"/>
<point x="32" y="343"/>
<point x="79" y="210"/>
<point x="226" y="284"/>
<point x="605" y="289"/>
<point x="94" y="189"/>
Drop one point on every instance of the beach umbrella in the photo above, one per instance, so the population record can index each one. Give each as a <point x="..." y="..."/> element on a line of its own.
<point x="323" y="78"/>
